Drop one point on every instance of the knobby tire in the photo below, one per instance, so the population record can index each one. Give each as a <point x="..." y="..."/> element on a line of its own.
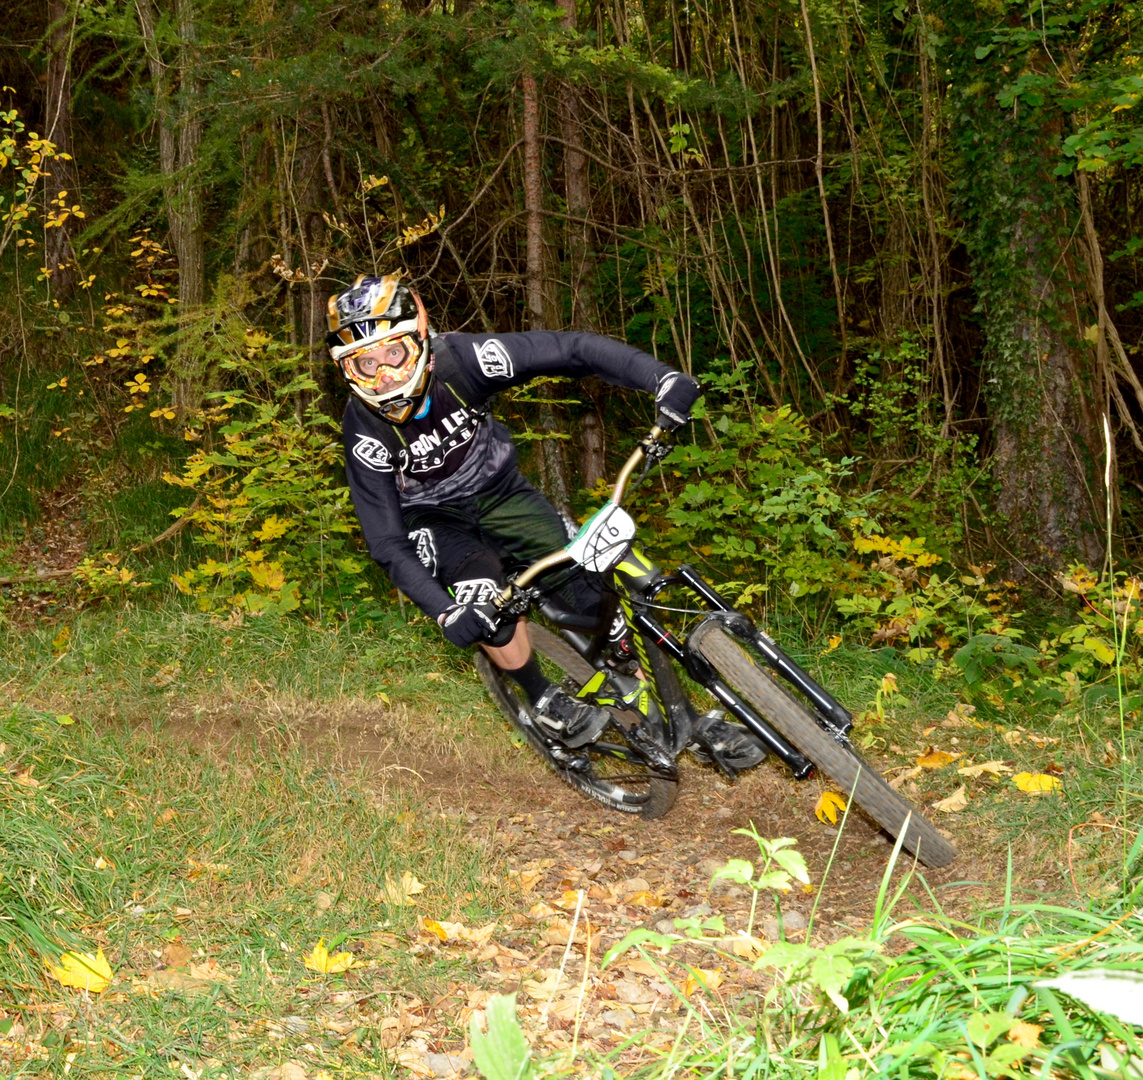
<point x="835" y="756"/>
<point x="623" y="786"/>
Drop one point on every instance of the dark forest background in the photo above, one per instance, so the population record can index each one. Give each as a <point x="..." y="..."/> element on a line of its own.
<point x="895" y="241"/>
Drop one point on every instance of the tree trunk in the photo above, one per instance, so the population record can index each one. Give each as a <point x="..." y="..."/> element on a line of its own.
<point x="1048" y="451"/>
<point x="62" y="185"/>
<point x="577" y="194"/>
<point x="180" y="135"/>
<point x="1042" y="384"/>
<point x="554" y="469"/>
<point x="533" y="207"/>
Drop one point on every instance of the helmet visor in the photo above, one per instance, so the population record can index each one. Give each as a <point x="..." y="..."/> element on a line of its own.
<point x="385" y="365"/>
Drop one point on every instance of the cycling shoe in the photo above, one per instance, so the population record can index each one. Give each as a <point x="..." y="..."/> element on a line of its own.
<point x="575" y="723"/>
<point x="730" y="746"/>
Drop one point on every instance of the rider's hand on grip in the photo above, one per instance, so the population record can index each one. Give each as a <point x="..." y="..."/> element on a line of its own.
<point x="466" y="624"/>
<point x="673" y="399"/>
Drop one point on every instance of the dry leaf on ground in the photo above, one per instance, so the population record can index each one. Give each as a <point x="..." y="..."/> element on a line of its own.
<point x="209" y="971"/>
<point x="320" y="960"/>
<point x="936" y="759"/>
<point x="551" y="983"/>
<point x="1023" y="1034"/>
<point x="401" y="893"/>
<point x="643" y="898"/>
<point x="1036" y="783"/>
<point x="829" y="805"/>
<point x="454" y="931"/>
<point x="84" y="971"/>
<point x="288" y="1070"/>
<point x="905" y="774"/>
<point x="956" y="802"/>
<point x="992" y="768"/>
<point x="710" y="978"/>
<point x="176" y="955"/>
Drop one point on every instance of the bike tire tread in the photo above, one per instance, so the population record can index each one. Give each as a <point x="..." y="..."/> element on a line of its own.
<point x="837" y="758"/>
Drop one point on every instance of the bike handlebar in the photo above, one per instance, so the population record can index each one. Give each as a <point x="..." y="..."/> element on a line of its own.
<point x="558" y="558"/>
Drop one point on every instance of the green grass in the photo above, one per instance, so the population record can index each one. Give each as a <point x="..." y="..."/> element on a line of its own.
<point x="199" y="795"/>
<point x="116" y="658"/>
<point x="925" y="996"/>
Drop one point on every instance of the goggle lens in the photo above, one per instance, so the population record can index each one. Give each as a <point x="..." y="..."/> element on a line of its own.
<point x="385" y="365"/>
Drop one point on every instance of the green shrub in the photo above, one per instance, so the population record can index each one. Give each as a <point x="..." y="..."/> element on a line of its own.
<point x="276" y="522"/>
<point x="762" y="503"/>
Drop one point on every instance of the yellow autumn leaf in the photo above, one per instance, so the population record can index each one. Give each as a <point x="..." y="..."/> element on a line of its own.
<point x="453" y="931"/>
<point x="955" y="803"/>
<point x="1036" y="783"/>
<point x="569" y="900"/>
<point x="643" y="898"/>
<point x="936" y="759"/>
<point x="272" y="528"/>
<point x="401" y="892"/>
<point x="84" y="971"/>
<point x="1026" y="1035"/>
<point x="829" y="805"/>
<point x="1100" y="649"/>
<point x="710" y="978"/>
<point x="889" y="684"/>
<point x="320" y="960"/>
<point x="435" y="928"/>
<point x="269" y="576"/>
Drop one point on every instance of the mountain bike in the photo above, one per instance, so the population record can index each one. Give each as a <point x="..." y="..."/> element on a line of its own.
<point x="624" y="660"/>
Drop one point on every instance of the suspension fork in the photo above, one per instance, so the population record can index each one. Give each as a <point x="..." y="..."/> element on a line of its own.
<point x="665" y="641"/>
<point x="829" y="707"/>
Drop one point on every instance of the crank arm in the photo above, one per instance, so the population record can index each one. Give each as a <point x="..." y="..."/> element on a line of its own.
<point x="654" y="754"/>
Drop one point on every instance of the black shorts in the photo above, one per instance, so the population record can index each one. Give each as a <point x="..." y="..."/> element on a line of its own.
<point x="471" y="545"/>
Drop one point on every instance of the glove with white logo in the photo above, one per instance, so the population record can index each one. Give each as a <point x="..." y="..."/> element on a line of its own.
<point x="466" y="624"/>
<point x="675" y="396"/>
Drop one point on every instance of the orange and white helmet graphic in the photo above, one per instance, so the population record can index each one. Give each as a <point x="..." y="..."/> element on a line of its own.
<point x="373" y="312"/>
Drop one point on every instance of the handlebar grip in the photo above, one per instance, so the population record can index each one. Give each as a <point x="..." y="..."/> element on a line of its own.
<point x="507" y="627"/>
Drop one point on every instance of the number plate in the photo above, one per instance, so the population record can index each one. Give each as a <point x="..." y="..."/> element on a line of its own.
<point x="603" y="540"/>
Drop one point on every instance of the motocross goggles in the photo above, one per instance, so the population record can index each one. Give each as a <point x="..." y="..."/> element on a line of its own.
<point x="384" y="365"/>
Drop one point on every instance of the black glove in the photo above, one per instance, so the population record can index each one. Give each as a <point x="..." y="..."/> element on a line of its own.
<point x="675" y="396"/>
<point x="466" y="624"/>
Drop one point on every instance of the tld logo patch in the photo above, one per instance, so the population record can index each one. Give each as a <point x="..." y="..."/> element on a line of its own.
<point x="494" y="360"/>
<point x="475" y="590"/>
<point x="373" y="454"/>
<point x="426" y="546"/>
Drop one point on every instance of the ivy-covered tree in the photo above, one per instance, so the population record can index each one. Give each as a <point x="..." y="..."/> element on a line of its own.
<point x="1011" y="106"/>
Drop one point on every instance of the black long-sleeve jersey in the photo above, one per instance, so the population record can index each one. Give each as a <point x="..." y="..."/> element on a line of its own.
<point x="456" y="450"/>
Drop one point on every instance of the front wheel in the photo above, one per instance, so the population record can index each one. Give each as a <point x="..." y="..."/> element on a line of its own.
<point x="608" y="771"/>
<point x="835" y="756"/>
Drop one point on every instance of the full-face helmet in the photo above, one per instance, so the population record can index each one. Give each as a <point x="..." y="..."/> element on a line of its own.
<point x="379" y="337"/>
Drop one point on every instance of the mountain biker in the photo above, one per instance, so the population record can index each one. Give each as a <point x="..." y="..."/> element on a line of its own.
<point x="434" y="480"/>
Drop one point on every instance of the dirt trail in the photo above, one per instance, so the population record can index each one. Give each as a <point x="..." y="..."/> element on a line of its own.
<point x="530" y="816"/>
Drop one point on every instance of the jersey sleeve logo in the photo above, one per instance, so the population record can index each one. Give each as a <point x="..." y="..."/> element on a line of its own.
<point x="494" y="359"/>
<point x="426" y="547"/>
<point x="475" y="591"/>
<point x="373" y="454"/>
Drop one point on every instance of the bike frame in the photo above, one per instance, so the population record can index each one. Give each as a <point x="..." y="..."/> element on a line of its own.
<point x="636" y="583"/>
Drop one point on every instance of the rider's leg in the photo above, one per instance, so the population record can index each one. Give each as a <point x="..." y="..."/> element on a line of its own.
<point x="462" y="548"/>
<point x="513" y="655"/>
<point x="517" y="662"/>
